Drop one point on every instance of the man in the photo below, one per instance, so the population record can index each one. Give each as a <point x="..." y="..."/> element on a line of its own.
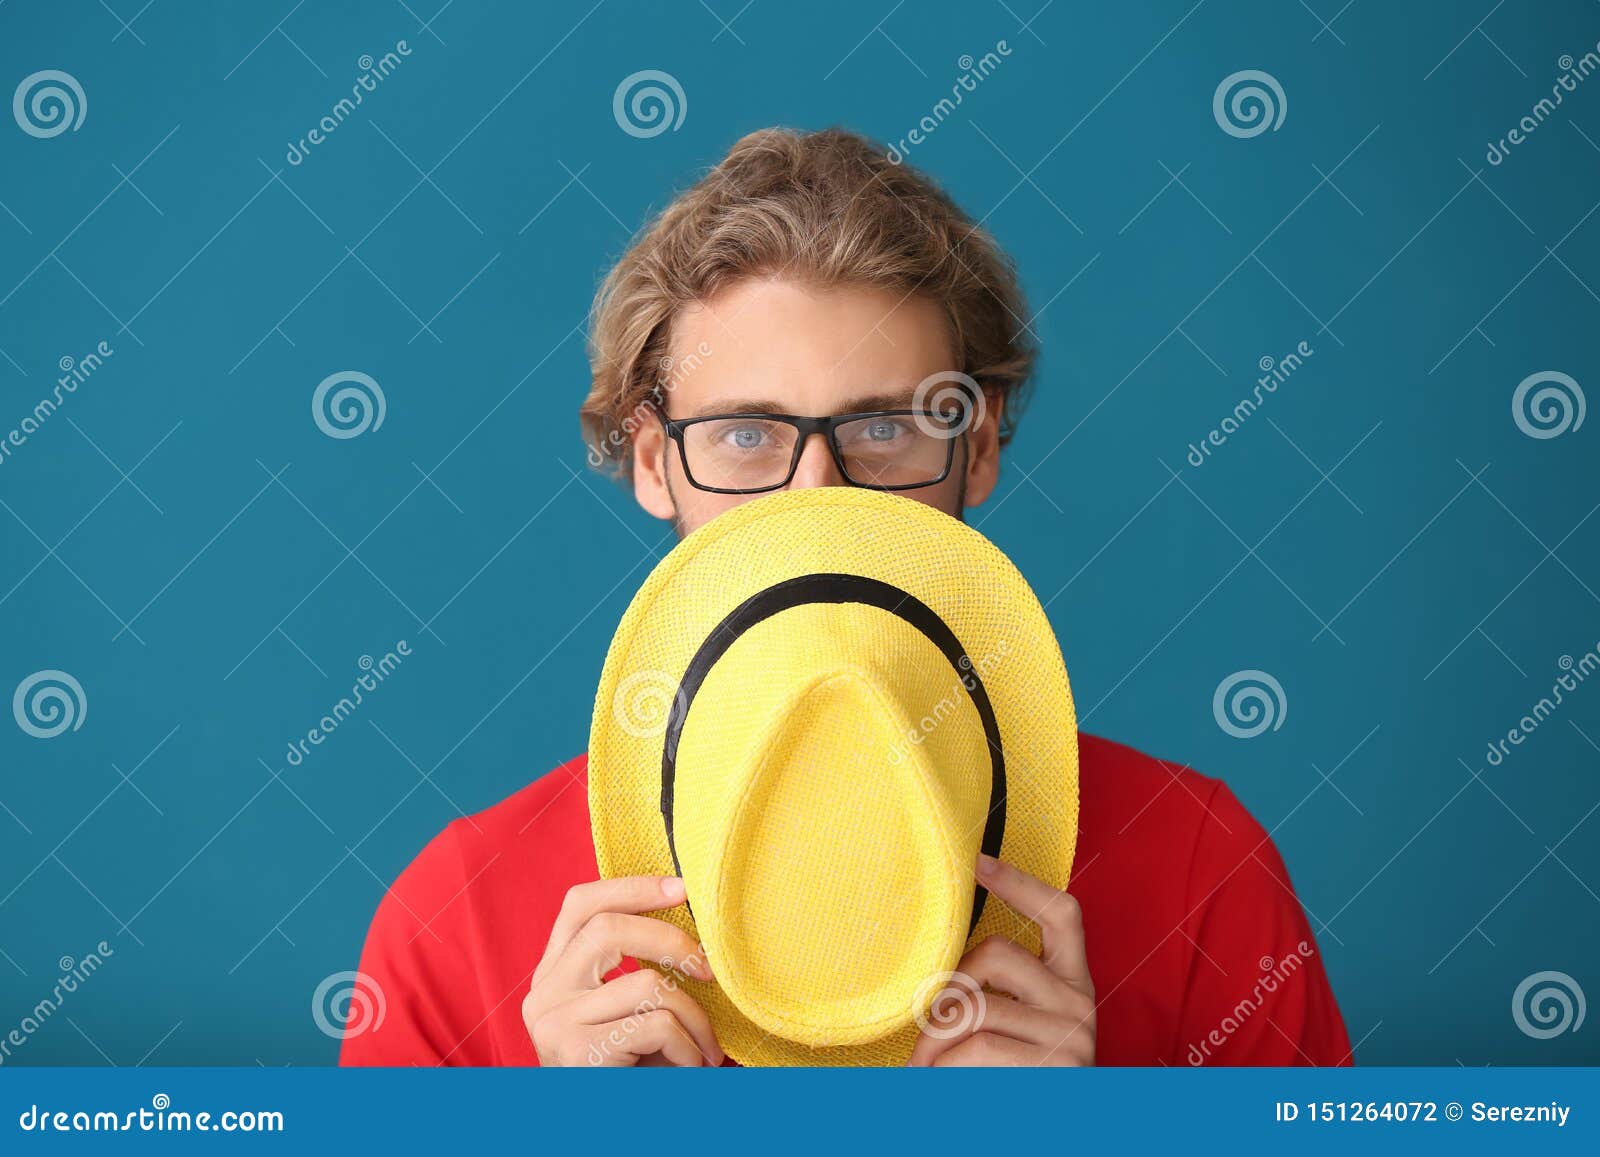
<point x="751" y="340"/>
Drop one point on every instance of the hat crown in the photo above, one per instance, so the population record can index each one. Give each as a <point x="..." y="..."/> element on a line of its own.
<point x="829" y="865"/>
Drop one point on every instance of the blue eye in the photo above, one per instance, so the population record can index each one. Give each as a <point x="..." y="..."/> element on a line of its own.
<point x="875" y="434"/>
<point x="745" y="437"/>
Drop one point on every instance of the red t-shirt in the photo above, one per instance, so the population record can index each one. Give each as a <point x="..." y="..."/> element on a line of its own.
<point x="1197" y="946"/>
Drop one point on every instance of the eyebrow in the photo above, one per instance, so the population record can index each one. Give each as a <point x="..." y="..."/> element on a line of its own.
<point x="897" y="400"/>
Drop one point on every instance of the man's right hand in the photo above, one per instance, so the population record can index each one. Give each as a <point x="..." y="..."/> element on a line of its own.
<point x="575" y="1017"/>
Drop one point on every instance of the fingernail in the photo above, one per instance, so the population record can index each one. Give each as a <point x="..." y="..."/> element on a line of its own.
<point x="672" y="888"/>
<point x="986" y="866"/>
<point x="698" y="966"/>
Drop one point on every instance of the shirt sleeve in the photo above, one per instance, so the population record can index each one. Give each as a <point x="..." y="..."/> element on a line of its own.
<point x="1257" y="992"/>
<point x="418" y="969"/>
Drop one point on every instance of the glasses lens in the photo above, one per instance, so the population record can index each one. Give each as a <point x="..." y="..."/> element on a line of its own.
<point x="896" y="449"/>
<point x="739" y="453"/>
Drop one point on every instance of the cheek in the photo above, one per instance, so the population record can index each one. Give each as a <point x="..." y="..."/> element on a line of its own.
<point x="695" y="508"/>
<point x="946" y="496"/>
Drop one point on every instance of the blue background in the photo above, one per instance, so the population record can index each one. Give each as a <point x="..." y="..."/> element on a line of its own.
<point x="1381" y="537"/>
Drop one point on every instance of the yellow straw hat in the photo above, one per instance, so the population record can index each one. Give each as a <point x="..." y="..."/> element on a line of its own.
<point x="817" y="710"/>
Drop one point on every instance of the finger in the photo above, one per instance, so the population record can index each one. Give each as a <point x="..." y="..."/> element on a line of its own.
<point x="1057" y="913"/>
<point x="1006" y="966"/>
<point x="988" y="1013"/>
<point x="600" y="945"/>
<point x="643" y="992"/>
<point x="623" y="1042"/>
<point x="623" y="894"/>
<point x="989" y="1050"/>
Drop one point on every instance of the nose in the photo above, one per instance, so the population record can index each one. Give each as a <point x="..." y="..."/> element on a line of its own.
<point x="816" y="466"/>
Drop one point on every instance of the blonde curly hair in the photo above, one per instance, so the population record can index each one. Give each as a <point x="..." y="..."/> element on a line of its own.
<point x="826" y="208"/>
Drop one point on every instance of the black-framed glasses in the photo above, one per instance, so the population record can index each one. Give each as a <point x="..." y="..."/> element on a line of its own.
<point x="755" y="453"/>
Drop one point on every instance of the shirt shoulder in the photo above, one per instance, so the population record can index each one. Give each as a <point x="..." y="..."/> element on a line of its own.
<point x="549" y="815"/>
<point x="1123" y="784"/>
<point x="532" y="841"/>
<point x="1192" y="922"/>
<point x="1142" y="801"/>
<point x="1143" y="817"/>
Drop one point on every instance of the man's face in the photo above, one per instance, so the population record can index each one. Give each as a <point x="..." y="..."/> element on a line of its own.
<point x="764" y="345"/>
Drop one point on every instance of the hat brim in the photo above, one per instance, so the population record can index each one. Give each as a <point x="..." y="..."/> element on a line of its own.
<point x="939" y="560"/>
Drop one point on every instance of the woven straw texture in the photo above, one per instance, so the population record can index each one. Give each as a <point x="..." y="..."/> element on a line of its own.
<point x="832" y="776"/>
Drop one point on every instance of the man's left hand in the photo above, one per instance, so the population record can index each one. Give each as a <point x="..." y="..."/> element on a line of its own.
<point x="1026" y="1009"/>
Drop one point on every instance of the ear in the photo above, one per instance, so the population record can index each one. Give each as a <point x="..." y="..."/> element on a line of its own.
<point x="650" y="450"/>
<point x="983" y="449"/>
